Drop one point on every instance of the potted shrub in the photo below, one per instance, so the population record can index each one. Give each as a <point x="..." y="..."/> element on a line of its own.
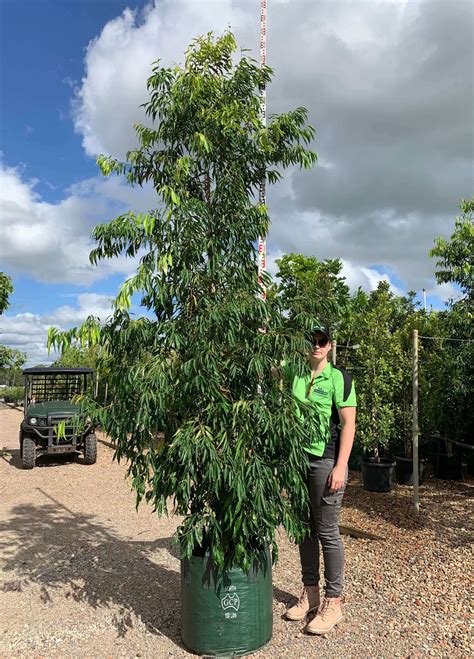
<point x="445" y="393"/>
<point x="198" y="366"/>
<point x="378" y="367"/>
<point x="446" y="368"/>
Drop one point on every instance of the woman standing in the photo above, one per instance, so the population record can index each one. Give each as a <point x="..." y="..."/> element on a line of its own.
<point x="330" y="392"/>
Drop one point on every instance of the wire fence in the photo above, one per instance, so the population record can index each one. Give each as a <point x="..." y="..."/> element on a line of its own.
<point x="450" y="458"/>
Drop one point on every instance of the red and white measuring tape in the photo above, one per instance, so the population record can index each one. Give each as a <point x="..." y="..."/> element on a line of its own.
<point x="262" y="243"/>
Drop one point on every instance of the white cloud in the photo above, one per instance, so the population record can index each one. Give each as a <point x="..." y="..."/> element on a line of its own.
<point x="118" y="63"/>
<point x="28" y="332"/>
<point x="444" y="292"/>
<point x="378" y="79"/>
<point x="90" y="304"/>
<point x="51" y="242"/>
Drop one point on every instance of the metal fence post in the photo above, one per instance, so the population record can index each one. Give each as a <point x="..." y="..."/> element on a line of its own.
<point x="416" y="429"/>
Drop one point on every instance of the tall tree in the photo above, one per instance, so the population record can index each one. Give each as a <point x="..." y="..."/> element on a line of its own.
<point x="200" y="368"/>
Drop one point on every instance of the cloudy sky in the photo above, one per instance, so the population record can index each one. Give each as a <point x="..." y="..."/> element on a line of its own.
<point x="389" y="87"/>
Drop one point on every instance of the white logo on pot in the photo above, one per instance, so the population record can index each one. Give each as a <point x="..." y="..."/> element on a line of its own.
<point x="230" y="601"/>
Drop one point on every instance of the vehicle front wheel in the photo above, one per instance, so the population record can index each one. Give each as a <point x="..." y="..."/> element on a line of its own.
<point x="90" y="450"/>
<point x="28" y="453"/>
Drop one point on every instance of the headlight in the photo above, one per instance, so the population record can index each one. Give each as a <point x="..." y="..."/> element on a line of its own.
<point x="33" y="421"/>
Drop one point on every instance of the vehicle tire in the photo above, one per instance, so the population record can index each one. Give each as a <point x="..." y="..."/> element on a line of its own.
<point x="90" y="450"/>
<point x="28" y="453"/>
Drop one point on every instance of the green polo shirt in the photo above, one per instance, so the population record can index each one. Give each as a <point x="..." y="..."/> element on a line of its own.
<point x="329" y="391"/>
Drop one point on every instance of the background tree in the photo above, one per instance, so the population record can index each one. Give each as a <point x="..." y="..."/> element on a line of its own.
<point x="312" y="288"/>
<point x="93" y="356"/>
<point x="6" y="289"/>
<point x="76" y="355"/>
<point x="456" y="255"/>
<point x="446" y="378"/>
<point x="380" y="365"/>
<point x="10" y="359"/>
<point x="200" y="367"/>
<point x="446" y="374"/>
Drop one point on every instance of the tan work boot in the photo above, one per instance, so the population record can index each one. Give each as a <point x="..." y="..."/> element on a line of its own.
<point x="328" y="615"/>
<point x="309" y="600"/>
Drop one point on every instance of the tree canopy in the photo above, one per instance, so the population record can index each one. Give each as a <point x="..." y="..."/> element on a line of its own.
<point x="312" y="287"/>
<point x="198" y="367"/>
<point x="6" y="289"/>
<point x="456" y="255"/>
<point x="9" y="357"/>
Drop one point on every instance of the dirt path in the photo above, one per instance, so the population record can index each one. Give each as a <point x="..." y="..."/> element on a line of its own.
<point x="84" y="575"/>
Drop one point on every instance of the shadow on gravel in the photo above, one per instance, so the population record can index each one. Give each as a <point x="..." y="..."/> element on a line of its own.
<point x="49" y="545"/>
<point x="283" y="596"/>
<point x="444" y="508"/>
<point x="11" y="456"/>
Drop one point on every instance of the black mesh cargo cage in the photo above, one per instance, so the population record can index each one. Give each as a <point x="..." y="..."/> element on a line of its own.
<point x="55" y="383"/>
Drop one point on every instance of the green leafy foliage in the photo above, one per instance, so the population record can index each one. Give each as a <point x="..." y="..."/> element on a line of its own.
<point x="456" y="255"/>
<point x="75" y="355"/>
<point x="312" y="288"/>
<point x="9" y="357"/>
<point x="446" y="374"/>
<point x="12" y="394"/>
<point x="447" y="379"/>
<point x="381" y="365"/>
<point x="198" y="368"/>
<point x="6" y="289"/>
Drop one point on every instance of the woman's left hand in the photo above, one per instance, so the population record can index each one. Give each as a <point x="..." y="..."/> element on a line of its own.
<point x="337" y="478"/>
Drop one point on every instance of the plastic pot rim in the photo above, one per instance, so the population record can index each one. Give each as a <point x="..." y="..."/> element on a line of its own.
<point x="404" y="458"/>
<point x="384" y="463"/>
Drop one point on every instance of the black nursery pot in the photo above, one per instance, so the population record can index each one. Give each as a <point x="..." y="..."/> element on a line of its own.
<point x="378" y="476"/>
<point x="448" y="467"/>
<point x="404" y="470"/>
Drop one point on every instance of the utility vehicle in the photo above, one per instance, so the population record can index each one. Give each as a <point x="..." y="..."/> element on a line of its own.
<point x="52" y="421"/>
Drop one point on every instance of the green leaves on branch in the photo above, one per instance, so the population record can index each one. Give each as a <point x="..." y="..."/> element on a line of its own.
<point x="6" y="289"/>
<point x="195" y="410"/>
<point x="456" y="256"/>
<point x="9" y="357"/>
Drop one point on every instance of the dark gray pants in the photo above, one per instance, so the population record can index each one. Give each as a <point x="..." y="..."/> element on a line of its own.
<point x="324" y="524"/>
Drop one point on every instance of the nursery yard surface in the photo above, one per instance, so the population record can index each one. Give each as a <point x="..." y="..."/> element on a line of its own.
<point x="82" y="574"/>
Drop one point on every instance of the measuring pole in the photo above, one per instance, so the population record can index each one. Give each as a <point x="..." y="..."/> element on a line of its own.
<point x="262" y="243"/>
<point x="416" y="430"/>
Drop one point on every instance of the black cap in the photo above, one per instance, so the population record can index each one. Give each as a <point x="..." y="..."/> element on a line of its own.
<point x="323" y="328"/>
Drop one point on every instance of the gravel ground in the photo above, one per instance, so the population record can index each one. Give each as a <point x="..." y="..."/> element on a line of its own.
<point x="82" y="574"/>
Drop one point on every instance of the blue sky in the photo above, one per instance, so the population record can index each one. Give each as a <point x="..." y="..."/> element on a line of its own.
<point x="36" y="128"/>
<point x="37" y="133"/>
<point x="395" y="157"/>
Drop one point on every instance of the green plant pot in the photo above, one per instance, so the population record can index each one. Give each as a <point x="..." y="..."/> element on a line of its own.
<point x="226" y="614"/>
<point x="378" y="476"/>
